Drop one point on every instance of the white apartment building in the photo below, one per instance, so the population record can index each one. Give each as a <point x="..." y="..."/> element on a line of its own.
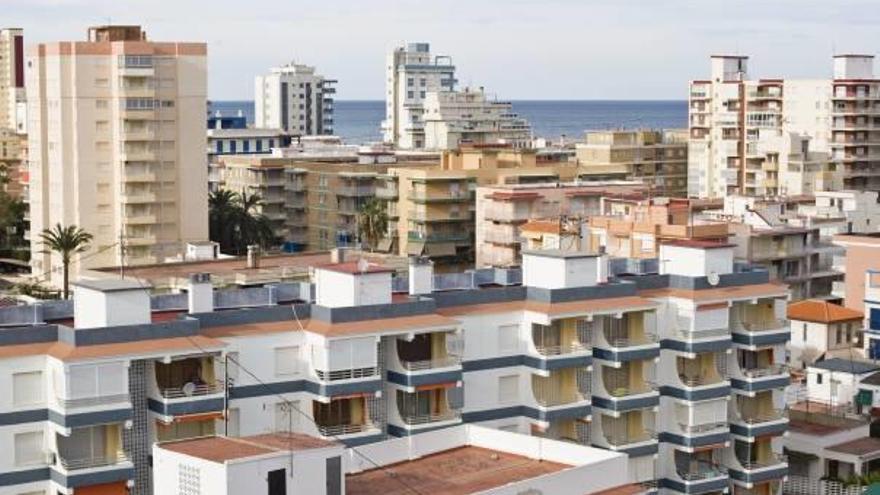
<point x="679" y="370"/>
<point x="452" y="118"/>
<point x="411" y="72"/>
<point x="741" y="129"/>
<point x="117" y="146"/>
<point x="295" y="99"/>
<point x="12" y="95"/>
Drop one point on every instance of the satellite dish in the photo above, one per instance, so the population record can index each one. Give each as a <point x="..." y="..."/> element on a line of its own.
<point x="713" y="278"/>
<point x="363" y="264"/>
<point x="189" y="389"/>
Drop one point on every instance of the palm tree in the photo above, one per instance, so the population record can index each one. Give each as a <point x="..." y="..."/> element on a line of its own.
<point x="222" y="206"/>
<point x="373" y="222"/>
<point x="65" y="241"/>
<point x="236" y="221"/>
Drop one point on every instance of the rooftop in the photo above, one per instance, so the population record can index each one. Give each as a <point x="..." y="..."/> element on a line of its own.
<point x="112" y="285"/>
<point x="846" y="366"/>
<point x="225" y="449"/>
<point x="699" y="244"/>
<point x="859" y="447"/>
<point x="356" y="267"/>
<point x="459" y="471"/>
<point x="818" y="311"/>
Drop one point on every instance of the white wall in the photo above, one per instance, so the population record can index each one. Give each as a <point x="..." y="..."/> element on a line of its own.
<point x="551" y="272"/>
<point x="336" y="289"/>
<point x="695" y="262"/>
<point x="93" y="308"/>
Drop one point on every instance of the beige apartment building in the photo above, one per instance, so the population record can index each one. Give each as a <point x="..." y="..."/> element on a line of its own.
<point x="657" y="158"/>
<point x="12" y="94"/>
<point x="13" y="152"/>
<point x="117" y="145"/>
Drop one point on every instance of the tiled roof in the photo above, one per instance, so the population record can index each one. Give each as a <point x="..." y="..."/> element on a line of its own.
<point x="153" y="347"/>
<point x="722" y="294"/>
<point x="587" y="306"/>
<point x="846" y="365"/>
<point x="223" y="449"/>
<point x="260" y="328"/>
<point x="818" y="311"/>
<point x="859" y="447"/>
<point x="382" y="325"/>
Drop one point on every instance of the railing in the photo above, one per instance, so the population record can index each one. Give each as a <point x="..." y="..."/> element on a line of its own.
<point x="703" y="428"/>
<point x="618" y="439"/>
<point x="698" y="380"/>
<point x="92" y="462"/>
<point x="561" y="349"/>
<point x="703" y="471"/>
<point x="774" y="460"/>
<point x="420" y="419"/>
<point x="554" y="397"/>
<point x="760" y="326"/>
<point x="192" y="390"/>
<point x="684" y="334"/>
<point x="759" y="418"/>
<point x="428" y="364"/>
<point x="651" y="386"/>
<point x="351" y="374"/>
<point x="336" y="430"/>
<point x="772" y="370"/>
<point x="92" y="401"/>
<point x="622" y="342"/>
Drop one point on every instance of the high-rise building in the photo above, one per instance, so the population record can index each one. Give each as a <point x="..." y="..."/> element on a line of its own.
<point x="740" y="130"/>
<point x="657" y="158"/>
<point x="453" y="118"/>
<point x="295" y="99"/>
<point x="411" y="73"/>
<point x="117" y="145"/>
<point x="12" y="95"/>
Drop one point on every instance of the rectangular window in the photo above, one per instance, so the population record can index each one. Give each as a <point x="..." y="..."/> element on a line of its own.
<point x="818" y="378"/>
<point x="27" y="388"/>
<point x="259" y="145"/>
<point x="232" y="146"/>
<point x="508" y="389"/>
<point x="286" y="361"/>
<point x="246" y="145"/>
<point x="29" y="448"/>
<point x="219" y="146"/>
<point x="508" y="338"/>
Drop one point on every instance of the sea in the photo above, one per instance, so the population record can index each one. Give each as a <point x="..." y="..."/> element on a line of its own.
<point x="358" y="122"/>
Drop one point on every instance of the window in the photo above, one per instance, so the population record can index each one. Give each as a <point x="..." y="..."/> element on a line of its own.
<point x="219" y="146"/>
<point x="286" y="361"/>
<point x="839" y="335"/>
<point x="410" y="94"/>
<point x="246" y="145"/>
<point x="508" y="389"/>
<point x="259" y="145"/>
<point x="232" y="146"/>
<point x="410" y="81"/>
<point x="102" y="82"/>
<point x="27" y="388"/>
<point x="818" y="378"/>
<point x="508" y="338"/>
<point x="29" y="448"/>
<point x="421" y="94"/>
<point x="101" y="104"/>
<point x="804" y="332"/>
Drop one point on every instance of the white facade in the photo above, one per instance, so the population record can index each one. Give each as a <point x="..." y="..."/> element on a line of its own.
<point x="453" y="118"/>
<point x="296" y="99"/>
<point x="411" y="72"/>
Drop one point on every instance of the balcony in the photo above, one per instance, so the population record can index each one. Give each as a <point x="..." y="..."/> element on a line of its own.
<point x="345" y="418"/>
<point x="426" y="359"/>
<point x="697" y="473"/>
<point x="629" y="337"/>
<point x="755" y="462"/>
<point x="630" y="433"/>
<point x="139" y="197"/>
<point x="186" y="386"/>
<point x="94" y="451"/>
<point x="508" y="212"/>
<point x="757" y="371"/>
<point x="438" y="236"/>
<point x="425" y="409"/>
<point x="563" y="343"/>
<point x="626" y="387"/>
<point x="458" y="196"/>
<point x="502" y="234"/>
<point x="701" y="377"/>
<point x="355" y="191"/>
<point x="347" y="374"/>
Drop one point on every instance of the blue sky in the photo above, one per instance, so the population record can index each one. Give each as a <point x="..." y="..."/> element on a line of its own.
<point x="517" y="49"/>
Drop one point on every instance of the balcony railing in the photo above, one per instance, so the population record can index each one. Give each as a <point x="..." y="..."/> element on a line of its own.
<point x="623" y="342"/>
<point x="92" y="401"/>
<point x="562" y="349"/>
<point x="337" y="430"/>
<point x="703" y="428"/>
<point x="773" y="460"/>
<point x="687" y="334"/>
<point x="428" y="364"/>
<point x="619" y="439"/>
<point x="625" y="391"/>
<point x="192" y="390"/>
<point x="772" y="370"/>
<point x="420" y="419"/>
<point x="92" y="462"/>
<point x="351" y="374"/>
<point x="698" y="380"/>
<point x="766" y="417"/>
<point x="762" y="326"/>
<point x="703" y="471"/>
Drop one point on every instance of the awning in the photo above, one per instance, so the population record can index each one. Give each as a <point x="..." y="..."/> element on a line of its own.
<point x="435" y="386"/>
<point x="192" y="418"/>
<point x="348" y="396"/>
<point x="440" y="249"/>
<point x="384" y="245"/>
<point x="416" y="248"/>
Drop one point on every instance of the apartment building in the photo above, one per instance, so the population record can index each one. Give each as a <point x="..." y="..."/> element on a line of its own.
<point x="313" y="203"/>
<point x="12" y="81"/>
<point x="657" y="158"/>
<point x="13" y="164"/>
<point x="839" y="212"/>
<point x="223" y="141"/>
<point x="509" y="216"/>
<point x="823" y="330"/>
<point x="295" y="99"/>
<point x="411" y="73"/>
<point x="454" y="118"/>
<point x="742" y="129"/>
<point x="432" y="210"/>
<point x="861" y="256"/>
<point x="117" y="146"/>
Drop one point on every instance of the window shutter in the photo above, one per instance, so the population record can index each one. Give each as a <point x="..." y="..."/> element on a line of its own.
<point x="27" y="388"/>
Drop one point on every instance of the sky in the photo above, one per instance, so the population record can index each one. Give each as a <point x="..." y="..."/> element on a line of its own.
<point x="516" y="49"/>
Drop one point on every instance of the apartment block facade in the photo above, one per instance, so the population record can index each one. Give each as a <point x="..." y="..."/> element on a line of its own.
<point x="657" y="158"/>
<point x="684" y="364"/>
<point x="117" y="146"/>
<point x="743" y="130"/>
<point x="295" y="99"/>
<point x="454" y="118"/>
<point x="12" y="93"/>
<point x="411" y="72"/>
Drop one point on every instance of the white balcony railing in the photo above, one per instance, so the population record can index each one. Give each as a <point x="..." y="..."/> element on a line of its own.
<point x="337" y="430"/>
<point x="192" y="390"/>
<point x="702" y="428"/>
<point x="428" y="364"/>
<point x="772" y="370"/>
<point x="772" y="460"/>
<point x="350" y="374"/>
<point x="702" y="471"/>
<point x="624" y="342"/>
<point x="760" y="326"/>
<point x="645" y="387"/>
<point x="764" y="417"/>
<point x="92" y="462"/>
<point x="619" y="439"/>
<point x="562" y="349"/>
<point x="92" y="401"/>
<point x="420" y="419"/>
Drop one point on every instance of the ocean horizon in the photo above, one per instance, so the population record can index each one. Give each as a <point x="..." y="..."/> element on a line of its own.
<point x="358" y="121"/>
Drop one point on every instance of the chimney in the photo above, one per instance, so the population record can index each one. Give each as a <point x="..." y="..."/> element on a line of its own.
<point x="200" y="293"/>
<point x="253" y="256"/>
<point x="338" y="255"/>
<point x="421" y="275"/>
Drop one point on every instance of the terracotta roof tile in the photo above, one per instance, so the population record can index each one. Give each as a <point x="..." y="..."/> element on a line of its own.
<point x="722" y="294"/>
<point x="222" y="449"/>
<point x="243" y="330"/>
<point x="383" y="325"/>
<point x="194" y="344"/>
<point x="818" y="311"/>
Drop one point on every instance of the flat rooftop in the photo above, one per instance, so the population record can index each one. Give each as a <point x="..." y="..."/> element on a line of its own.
<point x="224" y="449"/>
<point x="459" y="471"/>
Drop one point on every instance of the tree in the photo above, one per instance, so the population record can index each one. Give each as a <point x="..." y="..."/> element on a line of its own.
<point x="373" y="222"/>
<point x="65" y="241"/>
<point x="222" y="210"/>
<point x="236" y="222"/>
